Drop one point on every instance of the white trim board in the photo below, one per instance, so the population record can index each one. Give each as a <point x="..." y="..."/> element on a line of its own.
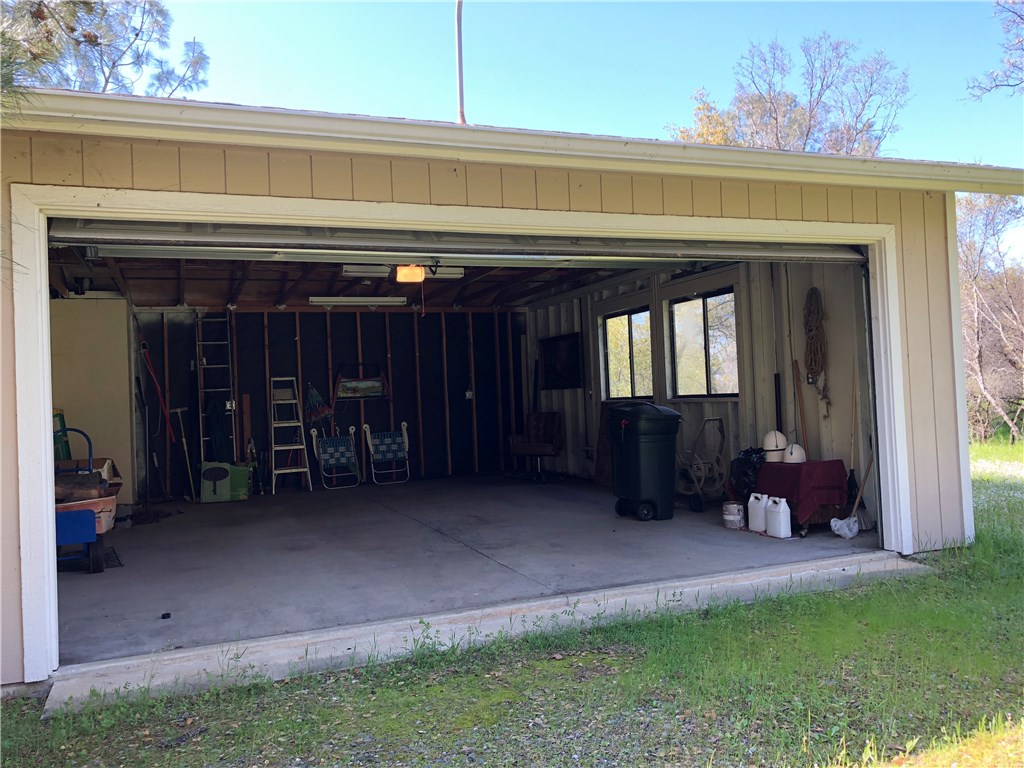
<point x="31" y="205"/>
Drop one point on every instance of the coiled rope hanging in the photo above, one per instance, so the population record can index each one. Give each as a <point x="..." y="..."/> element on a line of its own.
<point x="816" y="349"/>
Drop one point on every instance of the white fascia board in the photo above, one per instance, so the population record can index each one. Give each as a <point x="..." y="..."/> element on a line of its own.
<point x="191" y="121"/>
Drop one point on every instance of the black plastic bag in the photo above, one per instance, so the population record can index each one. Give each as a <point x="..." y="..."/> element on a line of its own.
<point x="743" y="473"/>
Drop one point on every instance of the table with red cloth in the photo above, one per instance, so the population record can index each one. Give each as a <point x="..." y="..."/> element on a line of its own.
<point x="805" y="486"/>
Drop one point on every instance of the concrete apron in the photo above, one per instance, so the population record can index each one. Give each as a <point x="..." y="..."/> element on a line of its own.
<point x="282" y="656"/>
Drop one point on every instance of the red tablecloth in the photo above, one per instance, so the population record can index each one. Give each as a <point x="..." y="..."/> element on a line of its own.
<point x="804" y="486"/>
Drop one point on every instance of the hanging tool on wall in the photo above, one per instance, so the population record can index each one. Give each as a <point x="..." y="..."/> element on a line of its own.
<point x="816" y="347"/>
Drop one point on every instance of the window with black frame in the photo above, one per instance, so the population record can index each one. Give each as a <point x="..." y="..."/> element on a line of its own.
<point x="627" y="360"/>
<point x="704" y="355"/>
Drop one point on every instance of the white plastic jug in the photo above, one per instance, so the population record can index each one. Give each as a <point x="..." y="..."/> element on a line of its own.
<point x="755" y="512"/>
<point x="777" y="518"/>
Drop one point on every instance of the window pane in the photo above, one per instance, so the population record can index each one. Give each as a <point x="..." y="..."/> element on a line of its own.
<point x="688" y="341"/>
<point x="643" y="376"/>
<point x="722" y="345"/>
<point x="617" y="355"/>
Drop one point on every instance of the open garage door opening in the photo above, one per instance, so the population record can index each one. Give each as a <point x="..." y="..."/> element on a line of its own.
<point x="230" y="345"/>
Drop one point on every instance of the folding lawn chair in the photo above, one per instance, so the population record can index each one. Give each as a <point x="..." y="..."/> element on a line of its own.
<point x="336" y="457"/>
<point x="390" y="449"/>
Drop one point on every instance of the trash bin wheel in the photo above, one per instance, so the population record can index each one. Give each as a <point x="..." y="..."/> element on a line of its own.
<point x="645" y="511"/>
<point x="96" y="564"/>
<point x="696" y="502"/>
<point x="622" y="508"/>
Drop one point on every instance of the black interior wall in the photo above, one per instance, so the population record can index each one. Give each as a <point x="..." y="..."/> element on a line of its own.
<point x="430" y="362"/>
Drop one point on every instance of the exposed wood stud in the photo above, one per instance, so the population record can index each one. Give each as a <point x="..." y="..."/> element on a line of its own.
<point x="472" y="388"/>
<point x="298" y="363"/>
<point x="419" y="394"/>
<point x="233" y="330"/>
<point x="447" y="407"/>
<point x="387" y="346"/>
<point x="362" y="408"/>
<point x="181" y="284"/>
<point x="266" y="378"/>
<point x="330" y="365"/>
<point x="511" y="380"/>
<point x="497" y="383"/>
<point x="167" y="402"/>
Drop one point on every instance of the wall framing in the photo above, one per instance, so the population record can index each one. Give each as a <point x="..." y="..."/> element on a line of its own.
<point x="33" y="204"/>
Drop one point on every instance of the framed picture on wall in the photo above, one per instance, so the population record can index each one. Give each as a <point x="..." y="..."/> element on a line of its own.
<point x="561" y="362"/>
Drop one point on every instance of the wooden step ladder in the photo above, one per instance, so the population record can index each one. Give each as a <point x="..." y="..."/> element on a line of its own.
<point x="286" y="437"/>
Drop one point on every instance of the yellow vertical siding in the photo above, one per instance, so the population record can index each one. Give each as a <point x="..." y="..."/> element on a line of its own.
<point x="840" y="204"/>
<point x="552" y="190"/>
<point x="107" y="164"/>
<point x="155" y="166"/>
<point x="291" y="174"/>
<point x="735" y="199"/>
<point x="865" y="206"/>
<point x="332" y="177"/>
<point x="410" y="181"/>
<point x="483" y="185"/>
<point x="678" y="196"/>
<point x="56" y="160"/>
<point x="247" y="172"/>
<point x="648" y="195"/>
<point x="616" y="193"/>
<point x="448" y="184"/>
<point x="814" y="204"/>
<point x="584" y="191"/>
<point x="203" y="169"/>
<point x="518" y="187"/>
<point x="371" y="179"/>
<point x="762" y="200"/>
<point x="707" y="198"/>
<point x="788" y="203"/>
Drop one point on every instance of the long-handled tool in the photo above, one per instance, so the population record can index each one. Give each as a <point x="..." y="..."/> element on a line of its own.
<point x="852" y="487"/>
<point x="184" y="445"/>
<point x="860" y="492"/>
<point x="800" y="403"/>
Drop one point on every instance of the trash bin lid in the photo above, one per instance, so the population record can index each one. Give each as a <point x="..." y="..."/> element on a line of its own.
<point x="642" y="410"/>
<point x="639" y="417"/>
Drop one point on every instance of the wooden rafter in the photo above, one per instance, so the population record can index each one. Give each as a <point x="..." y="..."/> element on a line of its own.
<point x="119" y="279"/>
<point x="59" y="281"/>
<point x="239" y="284"/>
<point x="181" y="283"/>
<point x="287" y="293"/>
<point x="527" y="287"/>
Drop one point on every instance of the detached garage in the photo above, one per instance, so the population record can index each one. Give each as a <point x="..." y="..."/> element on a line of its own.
<point x="198" y="286"/>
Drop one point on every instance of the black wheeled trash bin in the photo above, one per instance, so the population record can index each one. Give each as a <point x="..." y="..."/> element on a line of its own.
<point x="643" y="440"/>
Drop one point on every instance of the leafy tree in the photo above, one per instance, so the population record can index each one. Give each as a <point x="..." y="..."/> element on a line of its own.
<point x="1010" y="74"/>
<point x="839" y="104"/>
<point x="94" y="46"/>
<point x="992" y="295"/>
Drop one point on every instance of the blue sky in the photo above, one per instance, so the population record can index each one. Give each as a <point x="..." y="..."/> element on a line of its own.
<point x="623" y="69"/>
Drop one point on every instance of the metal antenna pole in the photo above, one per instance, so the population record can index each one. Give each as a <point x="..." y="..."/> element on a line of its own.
<point x="458" y="59"/>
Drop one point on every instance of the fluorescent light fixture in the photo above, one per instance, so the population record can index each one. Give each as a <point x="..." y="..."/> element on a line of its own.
<point x="366" y="270"/>
<point x="357" y="301"/>
<point x="409" y="273"/>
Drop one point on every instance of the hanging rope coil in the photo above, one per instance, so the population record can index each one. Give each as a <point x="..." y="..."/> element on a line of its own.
<point x="816" y="349"/>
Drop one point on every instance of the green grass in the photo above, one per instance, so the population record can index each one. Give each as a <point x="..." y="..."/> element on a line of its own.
<point x="932" y="666"/>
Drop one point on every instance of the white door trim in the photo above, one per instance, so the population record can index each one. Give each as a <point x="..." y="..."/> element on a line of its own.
<point x="31" y="205"/>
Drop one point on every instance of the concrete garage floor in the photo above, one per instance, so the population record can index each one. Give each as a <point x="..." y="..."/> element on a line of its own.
<point x="299" y="561"/>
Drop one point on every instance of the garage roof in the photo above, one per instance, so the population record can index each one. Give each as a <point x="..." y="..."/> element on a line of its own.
<point x="173" y="119"/>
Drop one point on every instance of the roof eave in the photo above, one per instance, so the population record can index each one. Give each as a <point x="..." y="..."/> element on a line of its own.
<point x="176" y="120"/>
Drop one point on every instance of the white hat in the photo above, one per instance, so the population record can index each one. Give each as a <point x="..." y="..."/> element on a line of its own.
<point x="794" y="454"/>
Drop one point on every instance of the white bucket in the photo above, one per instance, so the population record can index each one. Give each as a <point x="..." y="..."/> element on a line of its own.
<point x="777" y="518"/>
<point x="732" y="515"/>
<point x="755" y="512"/>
